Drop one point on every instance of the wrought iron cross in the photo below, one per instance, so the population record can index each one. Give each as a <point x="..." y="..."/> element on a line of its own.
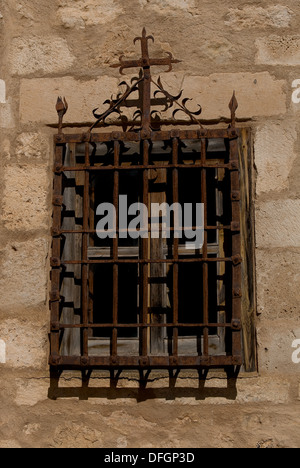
<point x="145" y="62"/>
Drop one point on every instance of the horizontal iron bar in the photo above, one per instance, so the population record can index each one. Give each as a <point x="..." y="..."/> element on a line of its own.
<point x="153" y="136"/>
<point x="136" y="362"/>
<point x="149" y="261"/>
<point x="83" y="168"/>
<point x="185" y="228"/>
<point x="145" y="325"/>
<point x="138" y="123"/>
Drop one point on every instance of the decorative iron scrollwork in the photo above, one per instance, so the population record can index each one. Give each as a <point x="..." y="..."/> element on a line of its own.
<point x="145" y="118"/>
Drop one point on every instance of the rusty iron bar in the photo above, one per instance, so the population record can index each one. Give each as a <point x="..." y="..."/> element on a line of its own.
<point x="165" y="135"/>
<point x="56" y="253"/>
<point x="175" y="189"/>
<point x="116" y="189"/>
<point x="205" y="252"/>
<point x="85" y="245"/>
<point x="81" y="168"/>
<point x="145" y="261"/>
<point x="94" y="231"/>
<point x="150" y="362"/>
<point x="141" y="325"/>
<point x="144" y="288"/>
<point x="162" y="123"/>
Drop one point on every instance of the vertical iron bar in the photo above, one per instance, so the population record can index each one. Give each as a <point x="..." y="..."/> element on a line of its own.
<point x="176" y="249"/>
<point x="56" y="250"/>
<point x="205" y="251"/>
<point x="85" y="245"/>
<point x="114" y="349"/>
<point x="236" y="252"/>
<point x="145" y="255"/>
<point x="91" y="244"/>
<point x="146" y="116"/>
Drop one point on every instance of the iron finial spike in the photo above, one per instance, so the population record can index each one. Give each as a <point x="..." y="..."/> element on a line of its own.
<point x="61" y="109"/>
<point x="233" y="105"/>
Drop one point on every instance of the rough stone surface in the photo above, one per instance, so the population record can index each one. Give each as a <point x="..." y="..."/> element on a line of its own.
<point x="25" y="343"/>
<point x="2" y="92"/>
<point x="278" y="224"/>
<point x="82" y="97"/>
<point x="82" y="14"/>
<point x="278" y="50"/>
<point x="24" y="277"/>
<point x="153" y="423"/>
<point x="40" y="54"/>
<point x="254" y="93"/>
<point x="32" y="147"/>
<point x="275" y="339"/>
<point x="31" y="392"/>
<point x="274" y="155"/>
<point x="276" y="267"/>
<point x="276" y="16"/>
<point x="7" y="120"/>
<point x="25" y="203"/>
<point x="163" y="6"/>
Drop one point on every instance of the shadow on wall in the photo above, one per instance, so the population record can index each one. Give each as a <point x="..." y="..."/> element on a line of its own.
<point x="140" y="392"/>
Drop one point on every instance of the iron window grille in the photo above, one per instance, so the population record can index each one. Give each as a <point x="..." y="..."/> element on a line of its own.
<point x="149" y="303"/>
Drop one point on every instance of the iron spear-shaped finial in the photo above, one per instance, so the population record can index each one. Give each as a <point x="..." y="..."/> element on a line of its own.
<point x="233" y="105"/>
<point x="61" y="109"/>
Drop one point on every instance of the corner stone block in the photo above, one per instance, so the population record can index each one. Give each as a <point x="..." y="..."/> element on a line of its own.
<point x="274" y="155"/>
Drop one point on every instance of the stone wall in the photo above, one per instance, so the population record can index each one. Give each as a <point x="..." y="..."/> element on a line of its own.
<point x="66" y="47"/>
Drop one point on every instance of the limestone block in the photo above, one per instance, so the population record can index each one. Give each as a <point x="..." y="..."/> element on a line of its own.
<point x="25" y="201"/>
<point x="249" y="17"/>
<point x="277" y="224"/>
<point x="31" y="392"/>
<point x="278" y="50"/>
<point x="163" y="6"/>
<point x="32" y="147"/>
<point x="26" y="343"/>
<point x="24" y="274"/>
<point x="84" y="13"/>
<point x="254" y="91"/>
<point x="278" y="271"/>
<point x="274" y="155"/>
<point x="82" y="98"/>
<point x="275" y="346"/>
<point x="39" y="55"/>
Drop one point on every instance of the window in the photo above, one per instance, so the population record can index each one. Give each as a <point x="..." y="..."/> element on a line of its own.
<point x="151" y="300"/>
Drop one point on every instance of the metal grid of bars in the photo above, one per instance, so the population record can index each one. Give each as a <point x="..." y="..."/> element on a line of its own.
<point x="145" y="359"/>
<point x="146" y="132"/>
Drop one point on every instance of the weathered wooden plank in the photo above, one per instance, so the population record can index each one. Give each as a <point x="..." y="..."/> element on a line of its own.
<point x="248" y="251"/>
